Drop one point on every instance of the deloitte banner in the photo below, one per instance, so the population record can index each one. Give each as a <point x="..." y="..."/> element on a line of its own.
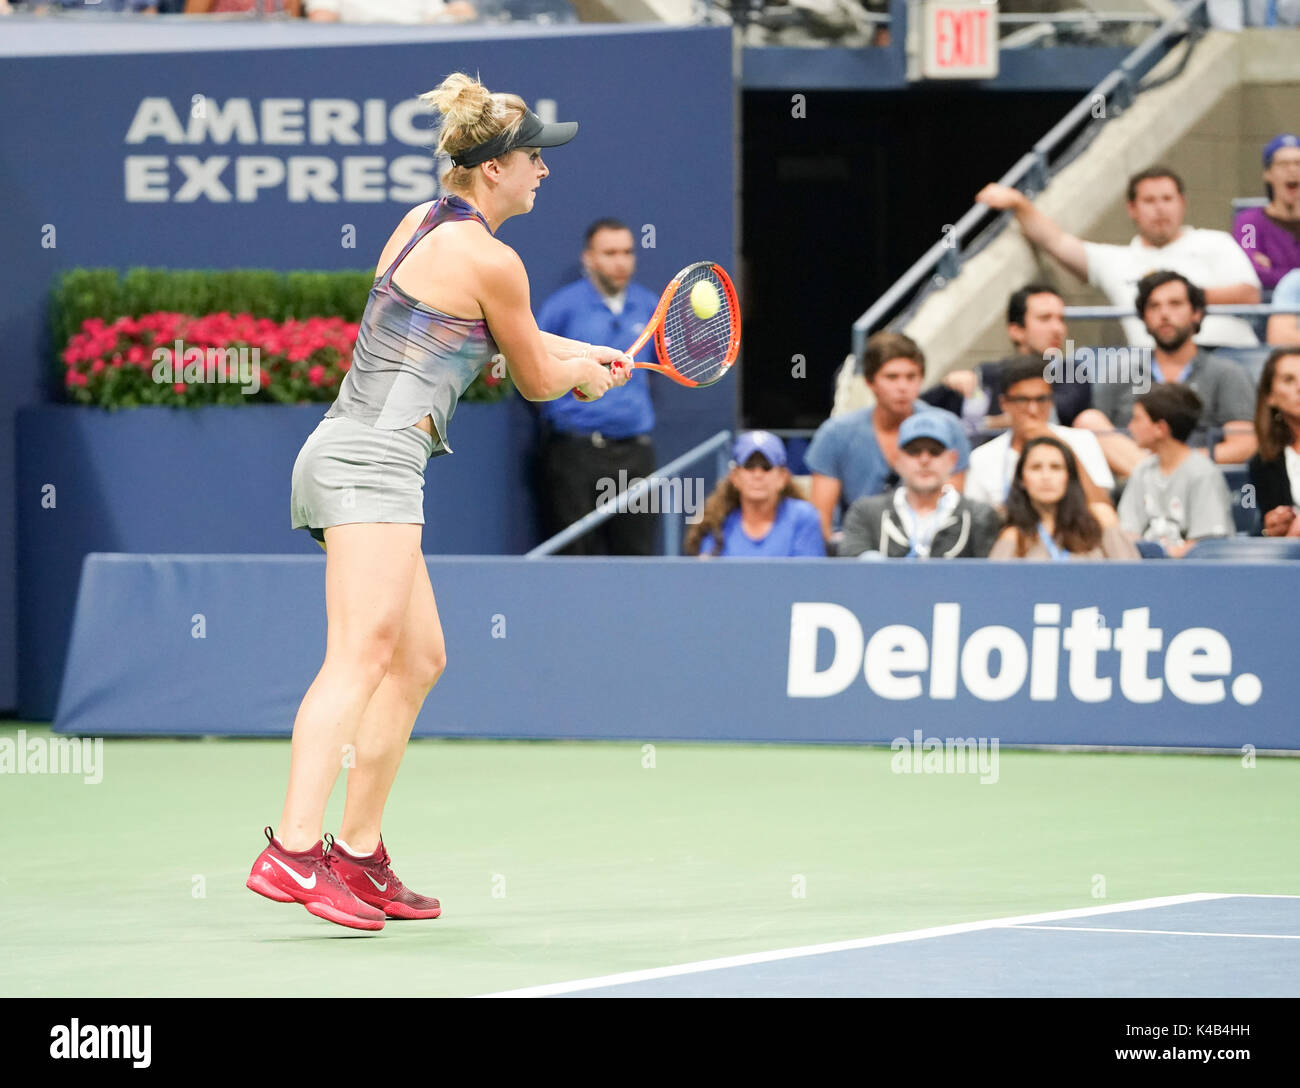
<point x="796" y="650"/>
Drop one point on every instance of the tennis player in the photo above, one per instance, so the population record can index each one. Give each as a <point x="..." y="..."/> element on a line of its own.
<point x="447" y="297"/>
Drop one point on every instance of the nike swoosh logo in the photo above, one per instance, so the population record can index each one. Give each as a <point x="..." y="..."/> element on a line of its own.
<point x="382" y="887"/>
<point x="302" y="881"/>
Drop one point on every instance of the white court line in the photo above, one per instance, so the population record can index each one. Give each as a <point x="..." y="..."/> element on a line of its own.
<point x="550" y="989"/>
<point x="1169" y="932"/>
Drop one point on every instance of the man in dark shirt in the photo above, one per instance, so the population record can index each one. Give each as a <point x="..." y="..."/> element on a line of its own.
<point x="1035" y="325"/>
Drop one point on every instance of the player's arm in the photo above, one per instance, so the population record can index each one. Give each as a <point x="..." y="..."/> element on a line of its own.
<point x="564" y="349"/>
<point x="825" y="494"/>
<point x="537" y="373"/>
<point x="1039" y="228"/>
<point x="1237" y="294"/>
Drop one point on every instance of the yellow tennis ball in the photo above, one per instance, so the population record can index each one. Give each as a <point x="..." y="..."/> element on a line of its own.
<point x="705" y="300"/>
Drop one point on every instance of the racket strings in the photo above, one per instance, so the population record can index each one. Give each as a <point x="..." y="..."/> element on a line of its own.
<point x="699" y="349"/>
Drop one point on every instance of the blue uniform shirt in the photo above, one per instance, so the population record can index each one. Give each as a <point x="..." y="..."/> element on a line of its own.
<point x="578" y="311"/>
<point x="796" y="531"/>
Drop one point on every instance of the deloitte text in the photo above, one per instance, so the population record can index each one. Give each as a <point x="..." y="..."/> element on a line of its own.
<point x="994" y="663"/>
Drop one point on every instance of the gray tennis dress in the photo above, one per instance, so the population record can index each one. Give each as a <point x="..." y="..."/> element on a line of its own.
<point x="365" y="460"/>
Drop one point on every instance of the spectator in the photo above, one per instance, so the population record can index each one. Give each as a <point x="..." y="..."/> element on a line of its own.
<point x="1173" y="497"/>
<point x="926" y="516"/>
<point x="390" y="11"/>
<point x="1035" y="326"/>
<point x="1285" y="328"/>
<point x="1172" y="308"/>
<point x="1275" y="469"/>
<point x="292" y="8"/>
<point x="1270" y="236"/>
<point x="1026" y="401"/>
<point x="757" y="511"/>
<point x="585" y="443"/>
<point x="1157" y="207"/>
<point x="853" y="455"/>
<point x="1048" y="515"/>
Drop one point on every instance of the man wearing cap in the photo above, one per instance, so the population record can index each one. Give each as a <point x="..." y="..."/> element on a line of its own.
<point x="1270" y="236"/>
<point x="925" y="517"/>
<point x="585" y="444"/>
<point x="851" y="456"/>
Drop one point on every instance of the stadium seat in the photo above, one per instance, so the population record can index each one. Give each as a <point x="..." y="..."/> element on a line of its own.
<point x="1245" y="514"/>
<point x="1150" y="549"/>
<point x="1247" y="549"/>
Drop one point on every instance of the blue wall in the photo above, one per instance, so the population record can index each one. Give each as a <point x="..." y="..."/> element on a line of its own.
<point x="216" y="480"/>
<point x="654" y="149"/>
<point x="792" y="650"/>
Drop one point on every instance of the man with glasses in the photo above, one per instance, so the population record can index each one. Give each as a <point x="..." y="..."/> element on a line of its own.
<point x="1027" y="401"/>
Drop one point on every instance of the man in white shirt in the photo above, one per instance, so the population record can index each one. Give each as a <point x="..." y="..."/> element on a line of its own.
<point x="1027" y="401"/>
<point x="390" y="11"/>
<point x="1157" y="206"/>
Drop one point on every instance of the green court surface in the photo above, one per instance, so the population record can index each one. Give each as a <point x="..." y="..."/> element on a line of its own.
<point x="557" y="861"/>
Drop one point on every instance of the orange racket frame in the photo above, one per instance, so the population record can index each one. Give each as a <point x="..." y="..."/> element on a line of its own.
<point x="655" y="327"/>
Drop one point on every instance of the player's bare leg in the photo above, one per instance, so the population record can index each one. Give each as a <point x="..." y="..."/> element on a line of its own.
<point x="390" y="715"/>
<point x="369" y="572"/>
<point x="362" y="859"/>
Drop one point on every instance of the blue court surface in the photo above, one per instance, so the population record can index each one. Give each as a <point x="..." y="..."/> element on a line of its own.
<point x="1198" y="945"/>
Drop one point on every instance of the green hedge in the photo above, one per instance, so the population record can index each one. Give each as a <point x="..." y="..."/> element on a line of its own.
<point x="101" y="292"/>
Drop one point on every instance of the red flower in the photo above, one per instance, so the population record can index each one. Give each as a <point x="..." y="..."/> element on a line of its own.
<point x="316" y="375"/>
<point x="178" y="387"/>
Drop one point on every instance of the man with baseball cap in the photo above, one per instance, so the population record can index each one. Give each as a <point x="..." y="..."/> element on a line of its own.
<point x="925" y="517"/>
<point x="1270" y="236"/>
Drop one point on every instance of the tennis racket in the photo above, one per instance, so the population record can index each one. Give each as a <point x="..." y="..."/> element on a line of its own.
<point x="693" y="351"/>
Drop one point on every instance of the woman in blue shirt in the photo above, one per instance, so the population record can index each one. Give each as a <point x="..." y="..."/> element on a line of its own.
<point x="757" y="510"/>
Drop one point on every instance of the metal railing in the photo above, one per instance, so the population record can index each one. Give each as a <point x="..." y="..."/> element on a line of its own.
<point x="718" y="446"/>
<point x="942" y="261"/>
<point x="1099" y="313"/>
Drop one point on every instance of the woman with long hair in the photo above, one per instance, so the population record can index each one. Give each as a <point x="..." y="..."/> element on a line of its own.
<point x="1048" y="516"/>
<point x="757" y="510"/>
<point x="447" y="296"/>
<point x="1275" y="469"/>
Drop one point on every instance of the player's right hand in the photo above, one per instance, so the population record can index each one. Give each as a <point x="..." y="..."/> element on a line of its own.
<point x="598" y="380"/>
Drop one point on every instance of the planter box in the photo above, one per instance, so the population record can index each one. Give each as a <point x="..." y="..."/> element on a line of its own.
<point x="216" y="480"/>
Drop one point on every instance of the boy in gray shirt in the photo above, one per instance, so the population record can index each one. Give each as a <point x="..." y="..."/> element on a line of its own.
<point x="1177" y="496"/>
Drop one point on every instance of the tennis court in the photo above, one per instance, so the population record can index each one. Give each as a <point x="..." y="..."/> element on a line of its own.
<point x="567" y="865"/>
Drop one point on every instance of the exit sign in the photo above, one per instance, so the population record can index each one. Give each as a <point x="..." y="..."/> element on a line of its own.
<point x="952" y="39"/>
